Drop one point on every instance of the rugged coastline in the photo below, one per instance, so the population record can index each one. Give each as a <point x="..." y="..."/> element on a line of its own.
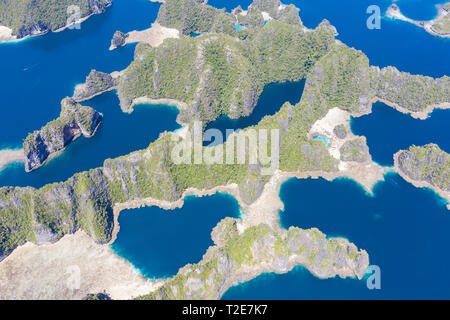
<point x="75" y="120"/>
<point x="425" y="167"/>
<point x="153" y="36"/>
<point x="26" y="26"/>
<point x="340" y="83"/>
<point x="439" y="26"/>
<point x="8" y="156"/>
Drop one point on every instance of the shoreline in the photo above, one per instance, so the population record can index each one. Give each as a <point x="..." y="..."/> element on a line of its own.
<point x="14" y="39"/>
<point x="421" y="115"/>
<point x="420" y="184"/>
<point x="9" y="156"/>
<point x="73" y="254"/>
<point x="56" y="154"/>
<point x="154" y="36"/>
<point x="394" y="12"/>
<point x="180" y="105"/>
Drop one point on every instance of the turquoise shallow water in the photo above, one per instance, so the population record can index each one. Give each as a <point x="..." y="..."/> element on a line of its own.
<point x="403" y="228"/>
<point x="159" y="242"/>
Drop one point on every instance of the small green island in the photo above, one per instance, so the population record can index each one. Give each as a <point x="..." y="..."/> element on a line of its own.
<point x="439" y="26"/>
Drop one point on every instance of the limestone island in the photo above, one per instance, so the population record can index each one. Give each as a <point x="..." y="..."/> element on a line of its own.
<point x="20" y="19"/>
<point x="439" y="26"/>
<point x="154" y="36"/>
<point x="75" y="120"/>
<point x="426" y="167"/>
<point x="221" y="72"/>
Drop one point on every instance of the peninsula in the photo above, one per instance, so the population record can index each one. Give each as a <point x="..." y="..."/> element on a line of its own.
<point x="439" y="26"/>
<point x="20" y="19"/>
<point x="75" y="120"/>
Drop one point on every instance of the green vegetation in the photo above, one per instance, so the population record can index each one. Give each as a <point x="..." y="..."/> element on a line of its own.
<point x="220" y="74"/>
<point x="190" y="16"/>
<point x="355" y="150"/>
<point x="426" y="163"/>
<point x="233" y="258"/>
<point x="214" y="74"/>
<point x="442" y="26"/>
<point x="74" y="120"/>
<point x="26" y="17"/>
<point x="96" y="82"/>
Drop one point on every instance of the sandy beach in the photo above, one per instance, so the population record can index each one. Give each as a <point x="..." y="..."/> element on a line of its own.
<point x="119" y="279"/>
<point x="422" y="115"/>
<point x="8" y="156"/>
<point x="367" y="173"/>
<point x="154" y="36"/>
<point x="420" y="184"/>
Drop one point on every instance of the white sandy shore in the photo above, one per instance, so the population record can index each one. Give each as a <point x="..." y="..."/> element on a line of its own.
<point x="6" y="35"/>
<point x="395" y="13"/>
<point x="105" y="271"/>
<point x="10" y="156"/>
<point x="368" y="173"/>
<point x="421" y="184"/>
<point x="154" y="36"/>
<point x="47" y="271"/>
<point x="81" y="87"/>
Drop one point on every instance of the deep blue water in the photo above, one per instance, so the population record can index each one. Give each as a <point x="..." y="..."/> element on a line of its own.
<point x="400" y="131"/>
<point x="43" y="70"/>
<point x="159" y="242"/>
<point x="397" y="43"/>
<point x="403" y="228"/>
<point x="270" y="101"/>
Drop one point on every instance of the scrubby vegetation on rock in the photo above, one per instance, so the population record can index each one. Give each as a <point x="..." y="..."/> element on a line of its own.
<point x="241" y="257"/>
<point x="32" y="17"/>
<point x="96" y="83"/>
<point x="426" y="163"/>
<point x="75" y="120"/>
